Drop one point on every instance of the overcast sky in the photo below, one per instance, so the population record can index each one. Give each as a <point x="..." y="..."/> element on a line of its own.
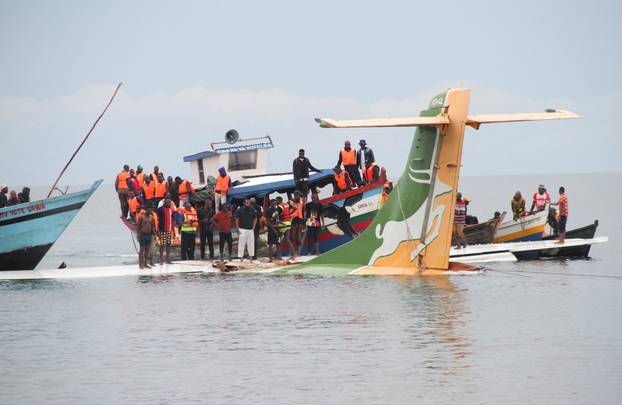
<point x="192" y="70"/>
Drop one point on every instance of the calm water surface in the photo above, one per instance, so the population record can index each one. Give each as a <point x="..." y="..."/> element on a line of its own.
<point x="514" y="334"/>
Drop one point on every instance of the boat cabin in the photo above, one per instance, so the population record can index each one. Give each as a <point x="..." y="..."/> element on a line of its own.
<point x="241" y="158"/>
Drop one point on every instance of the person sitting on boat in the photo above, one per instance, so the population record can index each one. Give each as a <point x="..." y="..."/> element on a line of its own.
<point x="518" y="205"/>
<point x="146" y="229"/>
<point x="13" y="200"/>
<point x="563" y="214"/>
<point x="459" y="221"/>
<point x="3" y="191"/>
<point x="134" y="206"/>
<point x="341" y="181"/>
<point x="540" y="199"/>
<point x="221" y="188"/>
<point x="166" y="224"/>
<point x="24" y="196"/>
<point x="120" y="186"/>
<point x="347" y="157"/>
<point x="372" y="173"/>
<point x="300" y="169"/>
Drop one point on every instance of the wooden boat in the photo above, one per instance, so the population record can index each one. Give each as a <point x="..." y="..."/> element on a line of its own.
<point x="28" y="230"/>
<point x="584" y="232"/>
<point x="482" y="233"/>
<point x="527" y="228"/>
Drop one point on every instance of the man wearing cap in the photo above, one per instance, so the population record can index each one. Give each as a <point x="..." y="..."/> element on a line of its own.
<point x="540" y="199"/>
<point x="3" y="191"/>
<point x="364" y="157"/>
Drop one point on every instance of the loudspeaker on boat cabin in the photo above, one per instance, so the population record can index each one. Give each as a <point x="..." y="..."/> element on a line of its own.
<point x="232" y="136"/>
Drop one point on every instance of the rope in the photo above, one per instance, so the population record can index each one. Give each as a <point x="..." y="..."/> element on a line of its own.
<point x="553" y="273"/>
<point x="133" y="242"/>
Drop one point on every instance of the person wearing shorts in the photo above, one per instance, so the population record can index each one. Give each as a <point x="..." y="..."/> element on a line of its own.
<point x="165" y="228"/>
<point x="146" y="229"/>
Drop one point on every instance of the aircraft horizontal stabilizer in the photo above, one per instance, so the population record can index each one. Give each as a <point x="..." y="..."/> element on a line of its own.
<point x="384" y="122"/>
<point x="476" y="120"/>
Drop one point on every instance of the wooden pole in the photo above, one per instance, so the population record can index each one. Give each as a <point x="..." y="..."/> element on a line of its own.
<point x="84" y="140"/>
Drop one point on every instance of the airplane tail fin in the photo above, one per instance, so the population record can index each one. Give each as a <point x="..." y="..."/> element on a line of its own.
<point x="412" y="231"/>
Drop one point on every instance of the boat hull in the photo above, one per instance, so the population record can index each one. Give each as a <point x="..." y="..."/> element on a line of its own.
<point x="525" y="229"/>
<point x="585" y="232"/>
<point x="29" y="230"/>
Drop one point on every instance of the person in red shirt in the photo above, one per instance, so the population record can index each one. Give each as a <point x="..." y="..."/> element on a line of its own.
<point x="165" y="227"/>
<point x="222" y="223"/>
<point x="563" y="214"/>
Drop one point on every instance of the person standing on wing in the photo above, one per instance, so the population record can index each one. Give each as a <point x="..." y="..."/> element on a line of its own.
<point x="563" y="214"/>
<point x="459" y="221"/>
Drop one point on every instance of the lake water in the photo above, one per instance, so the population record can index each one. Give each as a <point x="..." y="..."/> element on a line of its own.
<point x="527" y="332"/>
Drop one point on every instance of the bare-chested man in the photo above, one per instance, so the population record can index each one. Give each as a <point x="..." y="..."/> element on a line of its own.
<point x="145" y="228"/>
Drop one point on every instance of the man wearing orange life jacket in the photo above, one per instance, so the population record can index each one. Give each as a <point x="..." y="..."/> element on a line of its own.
<point x="120" y="186"/>
<point x="160" y="189"/>
<point x="189" y="222"/>
<point x="185" y="191"/>
<point x="341" y="181"/>
<point x="297" y="206"/>
<point x="149" y="190"/>
<point x="372" y="173"/>
<point x="134" y="206"/>
<point x="156" y="172"/>
<point x="221" y="188"/>
<point x="140" y="176"/>
<point x="386" y="192"/>
<point x="347" y="157"/>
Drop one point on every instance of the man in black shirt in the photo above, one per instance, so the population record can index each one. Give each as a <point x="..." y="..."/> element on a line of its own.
<point x="273" y="219"/>
<point x="259" y="213"/>
<point x="300" y="169"/>
<point x="246" y="220"/>
<point x="205" y="214"/>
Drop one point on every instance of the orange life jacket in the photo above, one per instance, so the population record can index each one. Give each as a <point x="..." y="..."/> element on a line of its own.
<point x="340" y="178"/>
<point x="149" y="190"/>
<point x="369" y="173"/>
<point x="191" y="221"/>
<point x="185" y="188"/>
<point x="348" y="157"/>
<point x="134" y="204"/>
<point x="222" y="184"/>
<point x="298" y="209"/>
<point x="121" y="177"/>
<point x="141" y="179"/>
<point x="160" y="189"/>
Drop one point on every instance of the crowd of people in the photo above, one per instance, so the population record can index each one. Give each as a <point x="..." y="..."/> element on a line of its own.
<point x="13" y="198"/>
<point x="162" y="210"/>
<point x="541" y="201"/>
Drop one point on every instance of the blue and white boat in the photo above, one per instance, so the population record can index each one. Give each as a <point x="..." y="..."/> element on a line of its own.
<point x="28" y="231"/>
